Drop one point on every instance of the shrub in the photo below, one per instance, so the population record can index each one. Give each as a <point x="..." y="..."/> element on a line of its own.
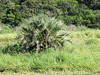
<point x="94" y="25"/>
<point x="12" y="49"/>
<point x="41" y="32"/>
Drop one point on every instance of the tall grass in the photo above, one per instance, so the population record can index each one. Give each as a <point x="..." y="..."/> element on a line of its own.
<point x="5" y="29"/>
<point x="56" y="61"/>
<point x="90" y="33"/>
<point x="7" y="37"/>
<point x="78" y="56"/>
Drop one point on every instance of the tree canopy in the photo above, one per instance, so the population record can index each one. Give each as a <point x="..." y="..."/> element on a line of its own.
<point x="77" y="12"/>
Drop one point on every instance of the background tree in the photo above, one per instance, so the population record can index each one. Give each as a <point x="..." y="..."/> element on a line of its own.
<point x="60" y="9"/>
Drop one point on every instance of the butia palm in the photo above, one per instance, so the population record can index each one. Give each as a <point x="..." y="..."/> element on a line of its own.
<point x="42" y="32"/>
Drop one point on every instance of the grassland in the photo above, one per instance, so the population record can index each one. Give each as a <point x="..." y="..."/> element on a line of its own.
<point x="81" y="57"/>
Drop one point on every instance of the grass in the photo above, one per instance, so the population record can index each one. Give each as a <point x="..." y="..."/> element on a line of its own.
<point x="55" y="61"/>
<point x="7" y="37"/>
<point x="76" y="58"/>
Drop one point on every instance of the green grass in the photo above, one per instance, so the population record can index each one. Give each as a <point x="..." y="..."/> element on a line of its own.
<point x="55" y="61"/>
<point x="83" y="56"/>
<point x="7" y="37"/>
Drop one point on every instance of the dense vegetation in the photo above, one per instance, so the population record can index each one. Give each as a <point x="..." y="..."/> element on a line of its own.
<point x="77" y="12"/>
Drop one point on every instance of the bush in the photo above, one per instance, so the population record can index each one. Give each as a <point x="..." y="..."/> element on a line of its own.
<point x="94" y="26"/>
<point x="41" y="33"/>
<point x="12" y="49"/>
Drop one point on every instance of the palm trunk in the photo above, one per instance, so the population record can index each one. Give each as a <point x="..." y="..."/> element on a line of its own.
<point x="46" y="44"/>
<point x="38" y="47"/>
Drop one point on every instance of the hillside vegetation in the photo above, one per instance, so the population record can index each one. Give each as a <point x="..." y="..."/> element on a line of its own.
<point x="77" y="12"/>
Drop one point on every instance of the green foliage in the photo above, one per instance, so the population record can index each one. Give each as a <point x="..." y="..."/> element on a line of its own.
<point x="13" y="16"/>
<point x="94" y="4"/>
<point x="42" y="32"/>
<point x="70" y="11"/>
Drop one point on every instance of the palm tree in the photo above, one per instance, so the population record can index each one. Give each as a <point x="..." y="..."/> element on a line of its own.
<point x="42" y="32"/>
